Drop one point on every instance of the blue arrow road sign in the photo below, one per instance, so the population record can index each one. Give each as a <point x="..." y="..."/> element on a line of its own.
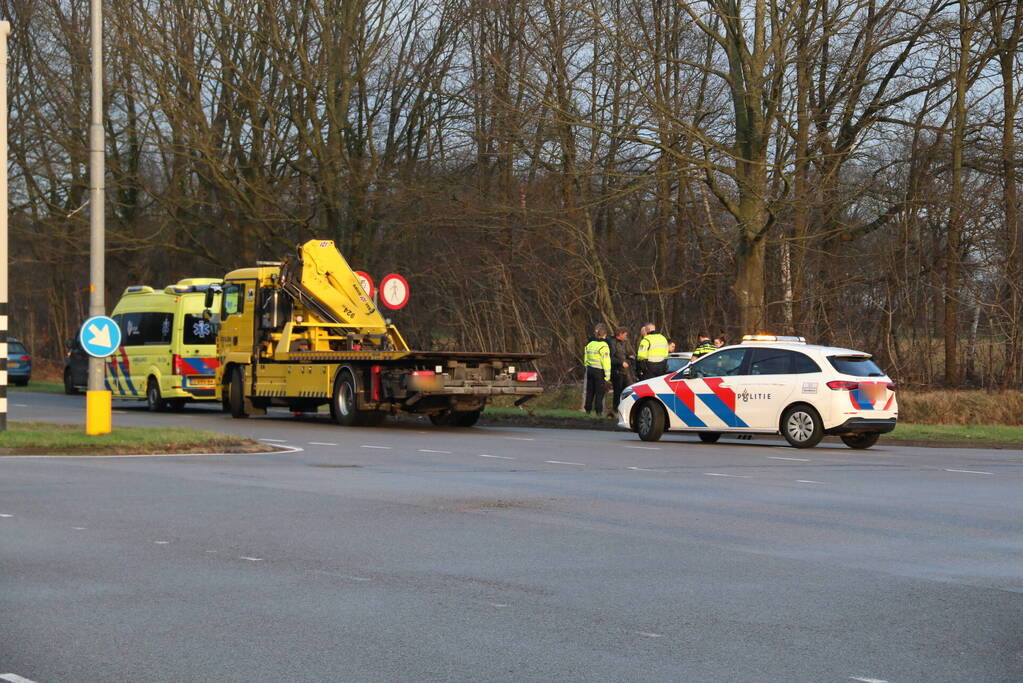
<point x="100" y="336"/>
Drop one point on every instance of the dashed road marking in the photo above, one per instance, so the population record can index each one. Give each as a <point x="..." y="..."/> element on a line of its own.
<point x="498" y="604"/>
<point x="969" y="471"/>
<point x="778" y="457"/>
<point x="562" y="462"/>
<point x="648" y="634"/>
<point x="383" y="448"/>
<point x="427" y="450"/>
<point x="5" y="515"/>
<point x="321" y="443"/>
<point x="20" y="405"/>
<point x="161" y="542"/>
<point x="78" y="528"/>
<point x="274" y="440"/>
<point x="719" y="474"/>
<point x="808" y="481"/>
<point x="642" y="469"/>
<point x="250" y="559"/>
<point x="644" y="448"/>
<point x="15" y="678"/>
<point x="864" y="679"/>
<point x="499" y="457"/>
<point x="520" y="438"/>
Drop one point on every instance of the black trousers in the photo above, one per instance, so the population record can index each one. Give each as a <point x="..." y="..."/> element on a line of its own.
<point x="594" y="390"/>
<point x="619" y="380"/>
<point x="651" y="370"/>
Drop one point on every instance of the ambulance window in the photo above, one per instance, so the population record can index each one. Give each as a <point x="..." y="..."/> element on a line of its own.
<point x="804" y="364"/>
<point x="720" y="364"/>
<point x="770" y="362"/>
<point x="156" y="328"/>
<point x="131" y="329"/>
<point x="198" y="330"/>
<point x="232" y="301"/>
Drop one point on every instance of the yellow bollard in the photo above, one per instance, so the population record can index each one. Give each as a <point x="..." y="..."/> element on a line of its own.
<point x="97" y="412"/>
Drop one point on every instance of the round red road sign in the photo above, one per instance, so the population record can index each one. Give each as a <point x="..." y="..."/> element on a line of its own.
<point x="367" y="282"/>
<point x="394" y="291"/>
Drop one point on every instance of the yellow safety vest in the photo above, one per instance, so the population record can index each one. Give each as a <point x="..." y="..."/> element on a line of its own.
<point x="598" y="355"/>
<point x="704" y="348"/>
<point x="653" y="348"/>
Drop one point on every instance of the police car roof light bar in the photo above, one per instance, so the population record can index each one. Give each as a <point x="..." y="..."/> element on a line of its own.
<point x="773" y="338"/>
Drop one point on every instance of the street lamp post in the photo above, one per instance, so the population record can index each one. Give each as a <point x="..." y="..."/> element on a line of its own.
<point x="97" y="410"/>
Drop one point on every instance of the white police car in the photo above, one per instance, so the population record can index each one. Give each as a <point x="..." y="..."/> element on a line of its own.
<point x="767" y="385"/>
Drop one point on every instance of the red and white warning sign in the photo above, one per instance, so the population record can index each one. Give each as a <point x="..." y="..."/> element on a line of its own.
<point x="367" y="282"/>
<point x="394" y="291"/>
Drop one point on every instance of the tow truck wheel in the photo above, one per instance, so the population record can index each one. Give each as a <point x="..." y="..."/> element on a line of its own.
<point x="370" y="418"/>
<point x="236" y="398"/>
<point x="342" y="403"/>
<point x="801" y="426"/>
<point x="154" y="401"/>
<point x="710" y="437"/>
<point x="441" y="419"/>
<point x="865" y="440"/>
<point x="650" y="421"/>
<point x="465" y="418"/>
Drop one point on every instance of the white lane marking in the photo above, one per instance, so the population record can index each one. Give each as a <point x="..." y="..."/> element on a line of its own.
<point x="250" y="559"/>
<point x="211" y="552"/>
<point x="274" y="440"/>
<point x="718" y="474"/>
<point x="119" y="412"/>
<point x="520" y="438"/>
<point x="499" y="457"/>
<point x="778" y="457"/>
<point x="648" y="634"/>
<point x="864" y="679"/>
<point x="384" y="448"/>
<point x="642" y="469"/>
<point x="161" y="542"/>
<point x="285" y="449"/>
<point x="970" y="471"/>
<point x="808" y="481"/>
<point x="499" y="604"/>
<point x="427" y="450"/>
<point x="15" y="678"/>
<point x="321" y="443"/>
<point x="78" y="528"/>
<point x="4" y="515"/>
<point x="644" y="448"/>
<point x="562" y="462"/>
<point x="21" y="405"/>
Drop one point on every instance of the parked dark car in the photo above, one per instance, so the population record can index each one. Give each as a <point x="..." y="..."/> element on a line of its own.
<point x="76" y="367"/>
<point x="19" y="363"/>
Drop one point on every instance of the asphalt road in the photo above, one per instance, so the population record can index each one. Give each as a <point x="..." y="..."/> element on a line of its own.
<point x="408" y="552"/>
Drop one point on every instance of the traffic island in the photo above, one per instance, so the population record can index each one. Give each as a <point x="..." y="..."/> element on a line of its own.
<point x="47" y="438"/>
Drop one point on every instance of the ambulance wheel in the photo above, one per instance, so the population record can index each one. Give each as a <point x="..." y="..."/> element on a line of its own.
<point x="864" y="440"/>
<point x="801" y="426"/>
<point x="710" y="437"/>
<point x="69" y="386"/>
<point x="177" y="404"/>
<point x="154" y="400"/>
<point x="650" y="421"/>
<point x="236" y="397"/>
<point x="342" y="403"/>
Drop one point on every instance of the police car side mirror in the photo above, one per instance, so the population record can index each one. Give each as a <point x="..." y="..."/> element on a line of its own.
<point x="687" y="371"/>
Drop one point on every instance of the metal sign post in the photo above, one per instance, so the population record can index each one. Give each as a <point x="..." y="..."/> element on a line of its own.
<point x="97" y="399"/>
<point x="5" y="30"/>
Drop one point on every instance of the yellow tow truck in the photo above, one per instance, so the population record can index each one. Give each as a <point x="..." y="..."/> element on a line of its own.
<point x="302" y="333"/>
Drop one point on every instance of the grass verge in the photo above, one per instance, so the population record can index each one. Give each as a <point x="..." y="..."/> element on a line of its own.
<point x="39" y="387"/>
<point x="47" y="438"/>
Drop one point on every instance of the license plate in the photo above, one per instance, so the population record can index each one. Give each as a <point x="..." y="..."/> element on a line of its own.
<point x="202" y="381"/>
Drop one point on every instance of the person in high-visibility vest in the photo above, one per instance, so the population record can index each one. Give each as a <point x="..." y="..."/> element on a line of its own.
<point x="652" y="355"/>
<point x="703" y="346"/>
<point x="597" y="360"/>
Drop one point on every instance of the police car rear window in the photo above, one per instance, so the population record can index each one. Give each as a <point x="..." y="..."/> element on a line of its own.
<point x="857" y="366"/>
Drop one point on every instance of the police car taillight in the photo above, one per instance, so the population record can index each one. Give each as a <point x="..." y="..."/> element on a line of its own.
<point x="843" y="385"/>
<point x="890" y="386"/>
<point x="527" y="376"/>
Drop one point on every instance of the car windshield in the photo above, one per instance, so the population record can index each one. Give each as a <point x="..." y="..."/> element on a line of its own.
<point x="15" y="347"/>
<point x="857" y="366"/>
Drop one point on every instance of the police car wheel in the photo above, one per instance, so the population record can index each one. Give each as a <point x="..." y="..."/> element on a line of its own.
<point x="710" y="437"/>
<point x="865" y="440"/>
<point x="154" y="401"/>
<point x="650" y="421"/>
<point x="801" y="426"/>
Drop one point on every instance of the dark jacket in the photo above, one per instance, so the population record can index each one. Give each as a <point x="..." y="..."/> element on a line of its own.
<point x="619" y="355"/>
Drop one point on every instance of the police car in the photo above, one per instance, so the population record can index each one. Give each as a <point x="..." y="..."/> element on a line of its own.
<point x="768" y="385"/>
